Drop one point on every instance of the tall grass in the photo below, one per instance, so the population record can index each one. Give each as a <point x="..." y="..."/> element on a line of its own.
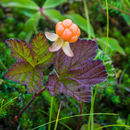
<point x="68" y="117"/>
<point x="50" y="114"/>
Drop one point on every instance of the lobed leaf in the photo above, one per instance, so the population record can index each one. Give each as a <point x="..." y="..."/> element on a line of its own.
<point x="76" y="75"/>
<point x="21" y="51"/>
<point x="24" y="73"/>
<point x="32" y="58"/>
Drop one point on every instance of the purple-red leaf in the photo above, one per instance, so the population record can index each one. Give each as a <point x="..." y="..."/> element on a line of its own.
<point x="24" y="73"/>
<point x="77" y="74"/>
<point x="32" y="60"/>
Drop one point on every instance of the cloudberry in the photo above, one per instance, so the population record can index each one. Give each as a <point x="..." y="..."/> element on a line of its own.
<point x="67" y="30"/>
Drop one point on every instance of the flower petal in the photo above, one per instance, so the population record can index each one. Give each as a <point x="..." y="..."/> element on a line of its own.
<point x="51" y="36"/>
<point x="56" y="45"/>
<point x="67" y="50"/>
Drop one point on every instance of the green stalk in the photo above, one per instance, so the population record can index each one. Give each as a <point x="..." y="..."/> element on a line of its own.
<point x="107" y="30"/>
<point x="50" y="115"/>
<point x="87" y="17"/>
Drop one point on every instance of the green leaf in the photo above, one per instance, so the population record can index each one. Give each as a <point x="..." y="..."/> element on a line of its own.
<point x="82" y="23"/>
<point x="113" y="45"/>
<point x="40" y="45"/>
<point x="53" y="3"/>
<point x="21" y="51"/>
<point x="32" y="22"/>
<point x="29" y="4"/>
<point x="53" y="14"/>
<point x="85" y="126"/>
<point x="24" y="73"/>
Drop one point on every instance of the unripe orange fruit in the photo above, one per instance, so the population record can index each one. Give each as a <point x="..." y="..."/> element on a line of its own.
<point x="67" y="30"/>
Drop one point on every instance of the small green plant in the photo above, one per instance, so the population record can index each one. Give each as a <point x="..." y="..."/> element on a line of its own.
<point x="73" y="75"/>
<point x="96" y="76"/>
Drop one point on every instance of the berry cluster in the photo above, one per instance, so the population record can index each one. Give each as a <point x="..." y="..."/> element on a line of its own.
<point x="67" y="30"/>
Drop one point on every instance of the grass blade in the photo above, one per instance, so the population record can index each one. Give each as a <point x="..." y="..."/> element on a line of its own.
<point x="50" y="115"/>
<point x="57" y="117"/>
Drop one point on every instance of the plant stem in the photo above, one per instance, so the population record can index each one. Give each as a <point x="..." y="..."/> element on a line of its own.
<point x="80" y="118"/>
<point x="87" y="17"/>
<point x="26" y="107"/>
<point x="107" y="29"/>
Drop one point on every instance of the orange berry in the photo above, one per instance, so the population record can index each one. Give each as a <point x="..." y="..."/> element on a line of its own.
<point x="59" y="28"/>
<point x="74" y="28"/>
<point x="78" y="33"/>
<point x="67" y="30"/>
<point x="73" y="39"/>
<point x="66" y="35"/>
<point x="67" y="23"/>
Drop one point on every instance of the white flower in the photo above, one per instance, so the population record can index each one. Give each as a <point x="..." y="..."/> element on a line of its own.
<point x="58" y="44"/>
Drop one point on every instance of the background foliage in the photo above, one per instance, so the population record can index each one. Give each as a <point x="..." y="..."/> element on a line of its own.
<point x="22" y="19"/>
